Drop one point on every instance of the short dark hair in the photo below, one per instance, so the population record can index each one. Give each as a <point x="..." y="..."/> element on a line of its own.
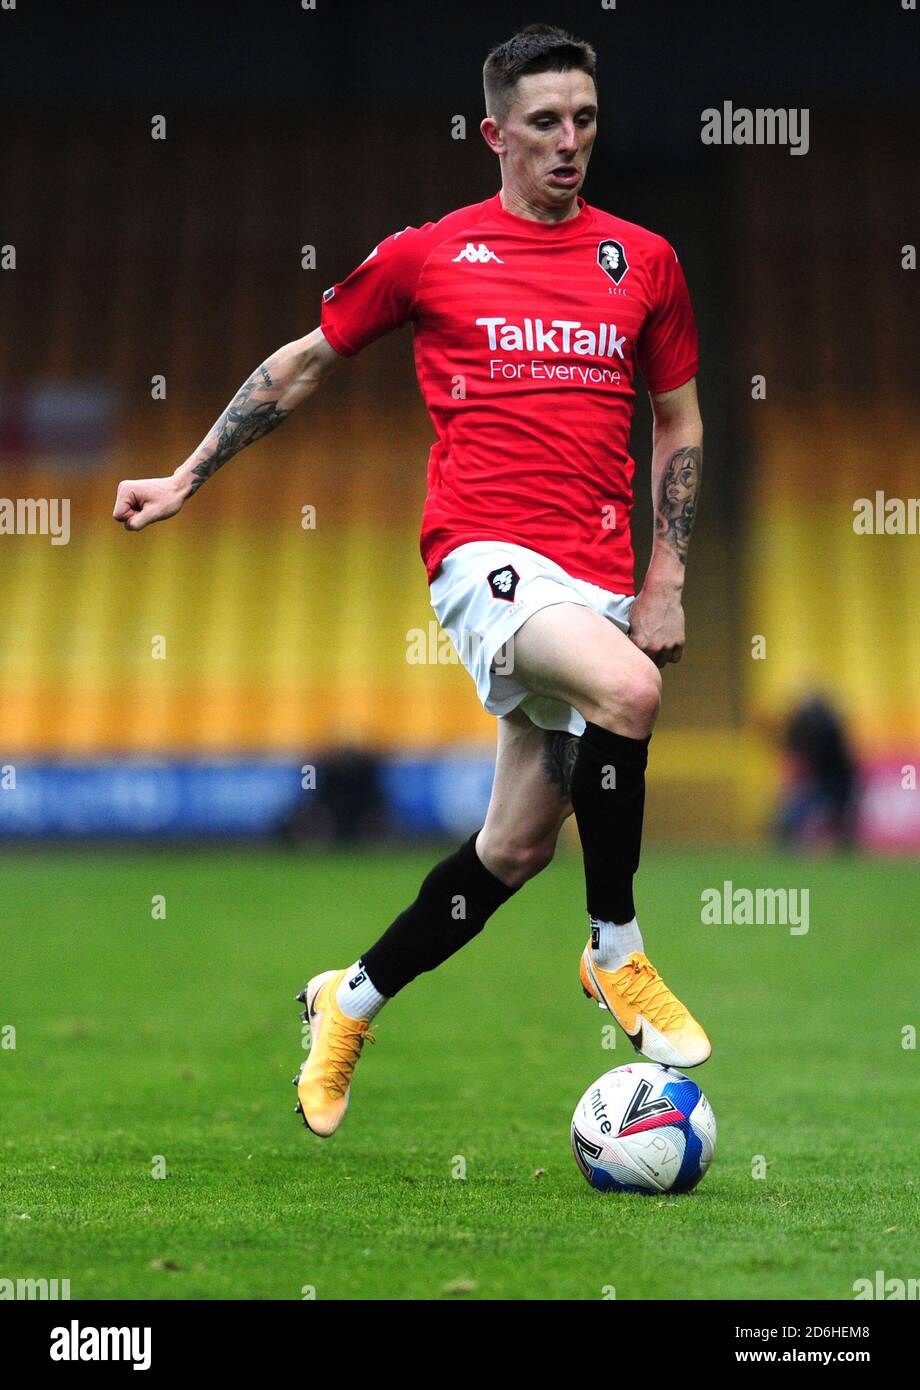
<point x="538" y="48"/>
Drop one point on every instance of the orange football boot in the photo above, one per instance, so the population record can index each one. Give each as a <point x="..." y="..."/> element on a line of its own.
<point x="324" y="1080"/>
<point x="657" y="1024"/>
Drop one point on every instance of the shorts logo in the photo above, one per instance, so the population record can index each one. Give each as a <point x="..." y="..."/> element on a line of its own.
<point x="503" y="582"/>
<point x="612" y="259"/>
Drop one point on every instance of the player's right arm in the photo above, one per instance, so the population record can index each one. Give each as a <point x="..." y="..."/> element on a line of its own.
<point x="374" y="299"/>
<point x="276" y="387"/>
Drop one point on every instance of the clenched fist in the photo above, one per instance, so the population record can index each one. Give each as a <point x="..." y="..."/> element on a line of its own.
<point x="140" y="501"/>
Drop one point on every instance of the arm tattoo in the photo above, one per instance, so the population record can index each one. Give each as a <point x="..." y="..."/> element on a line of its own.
<point x="677" y="500"/>
<point x="251" y="414"/>
<point x="559" y="754"/>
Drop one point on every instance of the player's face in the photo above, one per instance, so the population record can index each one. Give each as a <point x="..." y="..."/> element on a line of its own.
<point x="548" y="136"/>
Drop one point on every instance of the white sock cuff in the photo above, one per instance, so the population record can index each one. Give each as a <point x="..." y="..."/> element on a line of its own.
<point x="612" y="943"/>
<point x="356" y="996"/>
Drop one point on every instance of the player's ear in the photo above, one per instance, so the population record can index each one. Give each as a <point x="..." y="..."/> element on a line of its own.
<point x="491" y="133"/>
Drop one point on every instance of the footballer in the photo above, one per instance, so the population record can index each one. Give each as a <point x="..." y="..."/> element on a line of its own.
<point x="533" y="313"/>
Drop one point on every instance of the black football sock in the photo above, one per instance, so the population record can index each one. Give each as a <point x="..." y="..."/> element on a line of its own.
<point x="608" y="797"/>
<point x="452" y="907"/>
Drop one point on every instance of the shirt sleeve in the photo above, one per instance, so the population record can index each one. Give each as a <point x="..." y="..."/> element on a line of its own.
<point x="668" y="344"/>
<point x="376" y="297"/>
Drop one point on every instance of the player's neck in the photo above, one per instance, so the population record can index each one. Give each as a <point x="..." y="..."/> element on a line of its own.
<point x="518" y="206"/>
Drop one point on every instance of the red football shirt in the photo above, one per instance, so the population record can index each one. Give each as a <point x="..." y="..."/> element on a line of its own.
<point x="528" y="338"/>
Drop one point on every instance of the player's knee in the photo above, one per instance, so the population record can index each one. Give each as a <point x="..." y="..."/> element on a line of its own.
<point x="516" y="861"/>
<point x="530" y="860"/>
<point x="631" y="698"/>
<point x="644" y="696"/>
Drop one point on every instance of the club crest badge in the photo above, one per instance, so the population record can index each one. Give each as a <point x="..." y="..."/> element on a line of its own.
<point x="611" y="257"/>
<point x="503" y="582"/>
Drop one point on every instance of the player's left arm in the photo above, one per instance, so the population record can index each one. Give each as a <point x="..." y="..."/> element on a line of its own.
<point x="657" y="616"/>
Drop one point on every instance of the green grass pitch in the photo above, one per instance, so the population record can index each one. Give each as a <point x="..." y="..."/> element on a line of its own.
<point x="138" y="1037"/>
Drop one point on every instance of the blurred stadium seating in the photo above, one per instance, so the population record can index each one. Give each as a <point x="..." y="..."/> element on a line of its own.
<point x="281" y="642"/>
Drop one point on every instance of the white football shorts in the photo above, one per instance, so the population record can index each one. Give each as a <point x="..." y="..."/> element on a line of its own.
<point x="483" y="592"/>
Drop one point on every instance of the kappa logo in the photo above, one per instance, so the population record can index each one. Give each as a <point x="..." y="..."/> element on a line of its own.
<point x="477" y="255"/>
<point x="611" y="258"/>
<point x="503" y="582"/>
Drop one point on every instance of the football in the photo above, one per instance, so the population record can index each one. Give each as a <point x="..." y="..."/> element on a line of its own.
<point x="643" y="1128"/>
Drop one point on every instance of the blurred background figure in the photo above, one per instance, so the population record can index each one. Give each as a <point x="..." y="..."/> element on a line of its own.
<point x="818" y="803"/>
<point x="348" y="808"/>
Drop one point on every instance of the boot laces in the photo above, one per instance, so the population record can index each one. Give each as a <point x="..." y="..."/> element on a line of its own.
<point x="345" y="1046"/>
<point x="648" y="992"/>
